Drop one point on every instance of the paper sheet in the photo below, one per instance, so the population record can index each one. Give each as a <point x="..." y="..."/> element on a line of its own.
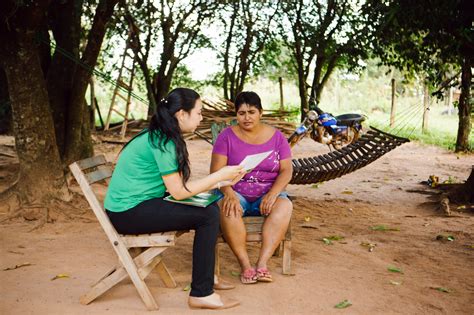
<point x="251" y="161"/>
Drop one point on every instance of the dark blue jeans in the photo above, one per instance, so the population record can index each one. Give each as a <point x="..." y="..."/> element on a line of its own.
<point x="158" y="215"/>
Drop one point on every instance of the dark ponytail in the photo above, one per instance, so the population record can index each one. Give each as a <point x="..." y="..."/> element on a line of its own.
<point x="164" y="126"/>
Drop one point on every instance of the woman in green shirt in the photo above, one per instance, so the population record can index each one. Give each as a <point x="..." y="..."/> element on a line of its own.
<point x="156" y="161"/>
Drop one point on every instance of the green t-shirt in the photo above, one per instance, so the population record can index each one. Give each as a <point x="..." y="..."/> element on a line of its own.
<point x="138" y="174"/>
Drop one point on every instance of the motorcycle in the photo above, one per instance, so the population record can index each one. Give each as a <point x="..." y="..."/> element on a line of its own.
<point x="334" y="131"/>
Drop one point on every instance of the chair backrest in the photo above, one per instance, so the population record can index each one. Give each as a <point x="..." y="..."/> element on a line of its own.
<point x="217" y="127"/>
<point x="87" y="172"/>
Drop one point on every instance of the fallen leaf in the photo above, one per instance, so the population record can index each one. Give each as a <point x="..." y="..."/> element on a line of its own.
<point x="370" y="246"/>
<point x="395" y="282"/>
<point x="308" y="226"/>
<point x="441" y="289"/>
<point x="383" y="228"/>
<point x="343" y="304"/>
<point x="335" y="237"/>
<point x="18" y="266"/>
<point x="60" y="276"/>
<point x="307" y="218"/>
<point x="326" y="241"/>
<point x="394" y="269"/>
<point x="187" y="287"/>
<point x="235" y="273"/>
<point x="315" y="186"/>
<point x="441" y="237"/>
<point x="347" y="192"/>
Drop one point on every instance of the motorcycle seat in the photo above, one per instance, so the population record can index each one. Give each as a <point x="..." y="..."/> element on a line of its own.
<point x="349" y="119"/>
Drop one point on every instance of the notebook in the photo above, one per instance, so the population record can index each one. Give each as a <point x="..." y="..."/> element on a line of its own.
<point x="200" y="200"/>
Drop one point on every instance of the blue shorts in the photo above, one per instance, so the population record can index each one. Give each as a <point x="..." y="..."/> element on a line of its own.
<point x="252" y="208"/>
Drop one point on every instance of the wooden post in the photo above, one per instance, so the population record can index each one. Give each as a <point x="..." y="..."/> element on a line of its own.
<point x="450" y="101"/>
<point x="93" y="104"/>
<point x="280" y="81"/>
<point x="426" y="106"/>
<point x="392" y="109"/>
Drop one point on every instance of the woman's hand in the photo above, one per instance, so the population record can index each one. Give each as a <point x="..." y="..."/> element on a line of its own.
<point x="231" y="173"/>
<point x="231" y="205"/>
<point x="267" y="203"/>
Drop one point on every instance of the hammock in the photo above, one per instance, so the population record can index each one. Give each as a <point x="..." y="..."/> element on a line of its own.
<point x="368" y="148"/>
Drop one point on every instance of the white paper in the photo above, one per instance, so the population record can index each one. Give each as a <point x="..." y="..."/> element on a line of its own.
<point x="251" y="161"/>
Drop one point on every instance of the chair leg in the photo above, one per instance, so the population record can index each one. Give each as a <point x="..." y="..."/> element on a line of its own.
<point x="287" y="257"/>
<point x="118" y="273"/>
<point x="165" y="275"/>
<point x="138" y="282"/>
<point x="217" y="267"/>
<point x="104" y="285"/>
<point x="277" y="252"/>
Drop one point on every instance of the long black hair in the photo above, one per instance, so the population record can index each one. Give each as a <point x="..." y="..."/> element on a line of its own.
<point x="164" y="126"/>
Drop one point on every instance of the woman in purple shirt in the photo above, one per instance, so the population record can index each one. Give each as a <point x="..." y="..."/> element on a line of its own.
<point x="260" y="192"/>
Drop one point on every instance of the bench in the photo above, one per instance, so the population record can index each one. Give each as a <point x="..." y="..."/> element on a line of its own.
<point x="138" y="254"/>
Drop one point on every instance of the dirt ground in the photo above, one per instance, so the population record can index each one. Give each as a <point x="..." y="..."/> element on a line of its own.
<point x="324" y="275"/>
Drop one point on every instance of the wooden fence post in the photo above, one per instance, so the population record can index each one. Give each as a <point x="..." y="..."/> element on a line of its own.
<point x="280" y="81"/>
<point x="392" y="109"/>
<point x="426" y="108"/>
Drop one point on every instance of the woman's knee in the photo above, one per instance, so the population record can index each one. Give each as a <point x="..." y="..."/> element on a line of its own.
<point x="212" y="213"/>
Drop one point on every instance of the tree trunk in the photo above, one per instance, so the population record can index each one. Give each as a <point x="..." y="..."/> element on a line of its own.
<point x="5" y="105"/>
<point x="65" y="23"/>
<point x="41" y="174"/>
<point x="303" y="92"/>
<point x="465" y="108"/>
<point x="78" y="145"/>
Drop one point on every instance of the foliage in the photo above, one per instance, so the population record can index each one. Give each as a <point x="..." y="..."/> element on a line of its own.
<point x="324" y="36"/>
<point x="431" y="36"/>
<point x="247" y="26"/>
<point x="276" y="61"/>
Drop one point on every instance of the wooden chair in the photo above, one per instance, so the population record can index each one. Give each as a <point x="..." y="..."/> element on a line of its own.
<point x="138" y="254"/>
<point x="253" y="225"/>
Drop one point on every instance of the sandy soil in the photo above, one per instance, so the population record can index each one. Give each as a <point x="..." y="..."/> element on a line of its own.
<point x="324" y="275"/>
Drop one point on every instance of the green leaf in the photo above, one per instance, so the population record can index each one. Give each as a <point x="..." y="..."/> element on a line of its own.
<point x="383" y="228"/>
<point x="343" y="304"/>
<point x="335" y="237"/>
<point x="326" y="241"/>
<point x="187" y="287"/>
<point x="441" y="237"/>
<point x="394" y="269"/>
<point x="441" y="289"/>
<point x="235" y="273"/>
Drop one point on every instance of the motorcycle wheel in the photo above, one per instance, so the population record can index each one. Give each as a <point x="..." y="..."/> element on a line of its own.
<point x="355" y="133"/>
<point x="352" y="136"/>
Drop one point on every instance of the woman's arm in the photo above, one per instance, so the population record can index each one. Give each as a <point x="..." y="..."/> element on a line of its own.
<point x="218" y="161"/>
<point x="283" y="178"/>
<point x="230" y="202"/>
<point x="174" y="182"/>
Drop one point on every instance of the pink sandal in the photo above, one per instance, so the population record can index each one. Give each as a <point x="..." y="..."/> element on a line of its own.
<point x="264" y="275"/>
<point x="248" y="276"/>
